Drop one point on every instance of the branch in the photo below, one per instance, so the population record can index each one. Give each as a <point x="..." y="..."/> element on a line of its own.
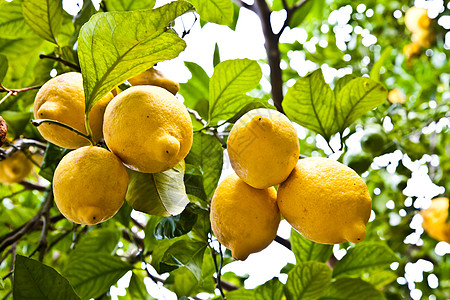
<point x="39" y="122"/>
<point x="211" y="129"/>
<point x="31" y="186"/>
<point x="289" y="13"/>
<point x="64" y="62"/>
<point x="283" y="242"/>
<point x="14" y="92"/>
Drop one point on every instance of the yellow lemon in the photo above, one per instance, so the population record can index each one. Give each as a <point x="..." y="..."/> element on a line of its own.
<point x="424" y="38"/>
<point x="263" y="147"/>
<point x="15" y="168"/>
<point x="148" y="128"/>
<point x="62" y="99"/>
<point x="417" y="19"/>
<point x="244" y="219"/>
<point x="412" y="50"/>
<point x="326" y="201"/>
<point x="89" y="185"/>
<point x="155" y="77"/>
<point x="434" y="220"/>
<point x="396" y="95"/>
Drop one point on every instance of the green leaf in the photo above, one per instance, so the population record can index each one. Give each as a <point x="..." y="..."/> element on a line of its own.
<point x="300" y="14"/>
<point x="241" y="294"/>
<point x="17" y="121"/>
<point x="2" y="284"/>
<point x="12" y="22"/>
<point x="351" y="289"/>
<point x="216" y="56"/>
<point x="123" y="216"/>
<point x="161" y="194"/>
<point x="98" y="240"/>
<point x="174" y="226"/>
<point x="53" y="154"/>
<point x="375" y="72"/>
<point x="3" y="66"/>
<point x="306" y="250"/>
<point x="34" y="280"/>
<point x="150" y="240"/>
<point x="228" y="85"/>
<point x="193" y="179"/>
<point x="271" y="290"/>
<point x="91" y="274"/>
<point x="128" y="5"/>
<point x="307" y="281"/>
<point x="207" y="153"/>
<point x="137" y="290"/>
<point x="310" y="102"/>
<point x="341" y="82"/>
<point x="249" y="107"/>
<point x="186" y="253"/>
<point x="381" y="278"/>
<point x="357" y="97"/>
<point x="215" y="11"/>
<point x="196" y="91"/>
<point x="364" y="257"/>
<point x="115" y="46"/>
<point x="44" y="17"/>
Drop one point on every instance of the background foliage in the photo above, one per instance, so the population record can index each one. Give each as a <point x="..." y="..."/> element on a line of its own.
<point x="45" y="256"/>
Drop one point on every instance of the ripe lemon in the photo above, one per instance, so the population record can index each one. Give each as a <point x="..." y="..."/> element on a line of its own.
<point x="412" y="50"/>
<point x="434" y="220"/>
<point x="148" y="128"/>
<point x="326" y="201"/>
<point x="15" y="168"/>
<point x="62" y="99"/>
<point x="263" y="147"/>
<point x="424" y="38"/>
<point x="89" y="185"/>
<point x="244" y="219"/>
<point x="396" y="95"/>
<point x="417" y="19"/>
<point x="155" y="77"/>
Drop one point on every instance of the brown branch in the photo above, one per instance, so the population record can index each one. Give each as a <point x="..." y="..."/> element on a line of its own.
<point x="14" y="92"/>
<point x="32" y="186"/>
<point x="64" y="62"/>
<point x="283" y="242"/>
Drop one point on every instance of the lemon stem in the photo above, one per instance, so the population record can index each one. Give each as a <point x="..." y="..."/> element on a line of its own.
<point x="88" y="128"/>
<point x="39" y="122"/>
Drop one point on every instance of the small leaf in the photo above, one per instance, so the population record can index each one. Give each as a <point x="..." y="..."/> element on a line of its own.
<point x="207" y="153"/>
<point x="12" y="22"/>
<point x="128" y="5"/>
<point x="364" y="257"/>
<point x="44" y="17"/>
<point x="115" y="46"/>
<point x="161" y="194"/>
<point x="351" y="289"/>
<point x="53" y="154"/>
<point x="228" y="85"/>
<point x="300" y="14"/>
<point x="357" y="97"/>
<point x="34" y="280"/>
<point x="271" y="290"/>
<point x="3" y="66"/>
<point x="375" y="72"/>
<point x="174" y="226"/>
<point x="216" y="56"/>
<point x="92" y="274"/>
<point x="215" y="11"/>
<point x="306" y="250"/>
<point x="307" y="281"/>
<point x="186" y="253"/>
<point x="196" y="89"/>
<point x="310" y="102"/>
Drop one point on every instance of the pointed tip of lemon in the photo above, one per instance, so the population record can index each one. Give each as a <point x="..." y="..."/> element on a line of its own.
<point x="356" y="234"/>
<point x="90" y="215"/>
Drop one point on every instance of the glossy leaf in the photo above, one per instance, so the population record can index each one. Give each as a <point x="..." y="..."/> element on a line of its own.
<point x="306" y="250"/>
<point x="363" y="258"/>
<point x="12" y="22"/>
<point x="215" y="11"/>
<point x="98" y="240"/>
<point x="307" y="280"/>
<point x="161" y="194"/>
<point x="34" y="280"/>
<point x="310" y="102"/>
<point x="174" y="226"/>
<point x="3" y="66"/>
<point x="44" y="17"/>
<point x="53" y="154"/>
<point x="351" y="289"/>
<point x="357" y="97"/>
<point x="115" y="46"/>
<point x="137" y="289"/>
<point x="228" y="85"/>
<point x="271" y="290"/>
<point x="17" y="121"/>
<point x="127" y="5"/>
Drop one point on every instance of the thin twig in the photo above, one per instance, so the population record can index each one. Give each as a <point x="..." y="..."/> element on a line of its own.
<point x="218" y="272"/>
<point x="61" y="60"/>
<point x="245" y="5"/>
<point x="211" y="129"/>
<point x="32" y="186"/>
<point x="283" y="242"/>
<point x="39" y="122"/>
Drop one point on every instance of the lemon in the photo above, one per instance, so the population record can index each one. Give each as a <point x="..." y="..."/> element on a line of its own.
<point x="148" y="128"/>
<point x="417" y="19"/>
<point x="244" y="219"/>
<point x="326" y="201"/>
<point x="62" y="99"/>
<point x="359" y="161"/>
<point x="155" y="77"/>
<point x="15" y="168"/>
<point x="424" y="38"/>
<point x="373" y="140"/>
<point x="396" y="95"/>
<point x="3" y="131"/>
<point x="89" y="185"/>
<point x="411" y="50"/>
<point x="263" y="147"/>
<point x="435" y="220"/>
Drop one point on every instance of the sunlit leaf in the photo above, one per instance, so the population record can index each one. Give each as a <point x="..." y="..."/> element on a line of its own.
<point x="34" y="280"/>
<point x="228" y="85"/>
<point x="115" y="46"/>
<point x="12" y="22"/>
<point x="306" y="250"/>
<point x="271" y="290"/>
<point x="351" y="289"/>
<point x="127" y="5"/>
<point x="215" y="11"/>
<point x="375" y="72"/>
<point x="3" y="66"/>
<point x="161" y="194"/>
<point x="44" y="17"/>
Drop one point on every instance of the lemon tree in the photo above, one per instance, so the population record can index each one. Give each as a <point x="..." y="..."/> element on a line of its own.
<point x="115" y="177"/>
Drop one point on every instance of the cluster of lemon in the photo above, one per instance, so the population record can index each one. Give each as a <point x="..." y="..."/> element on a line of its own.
<point x="324" y="200"/>
<point x="418" y="22"/>
<point x="146" y="128"/>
